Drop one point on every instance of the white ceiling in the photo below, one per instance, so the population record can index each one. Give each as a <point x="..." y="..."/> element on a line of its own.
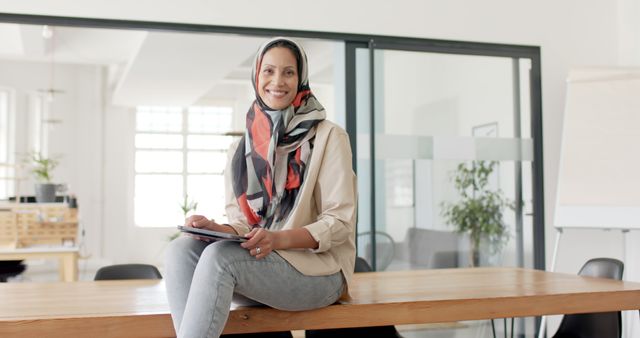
<point x="176" y="69"/>
<point x="156" y="68"/>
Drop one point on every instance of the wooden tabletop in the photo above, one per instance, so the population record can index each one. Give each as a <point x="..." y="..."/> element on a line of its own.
<point x="139" y="308"/>
<point x="40" y="249"/>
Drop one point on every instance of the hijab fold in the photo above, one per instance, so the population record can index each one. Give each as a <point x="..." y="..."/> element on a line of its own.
<point x="271" y="159"/>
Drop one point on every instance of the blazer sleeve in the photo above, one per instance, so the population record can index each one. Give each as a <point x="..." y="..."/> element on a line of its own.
<point x="236" y="218"/>
<point x="335" y="194"/>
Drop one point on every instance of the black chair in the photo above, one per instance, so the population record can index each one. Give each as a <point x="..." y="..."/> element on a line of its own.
<point x="385" y="248"/>
<point x="10" y="269"/>
<point x="127" y="271"/>
<point x="388" y="331"/>
<point x="594" y="325"/>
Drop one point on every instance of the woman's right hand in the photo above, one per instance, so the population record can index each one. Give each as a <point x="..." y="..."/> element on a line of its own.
<point x="201" y="222"/>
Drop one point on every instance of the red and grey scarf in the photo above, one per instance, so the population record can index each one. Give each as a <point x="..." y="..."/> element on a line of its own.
<point x="270" y="161"/>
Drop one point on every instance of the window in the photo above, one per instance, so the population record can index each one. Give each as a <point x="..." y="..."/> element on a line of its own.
<point x="179" y="151"/>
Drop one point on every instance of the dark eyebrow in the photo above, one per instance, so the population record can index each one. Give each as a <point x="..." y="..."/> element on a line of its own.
<point x="270" y="65"/>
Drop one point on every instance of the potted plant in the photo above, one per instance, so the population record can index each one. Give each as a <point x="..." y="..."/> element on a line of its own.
<point x="186" y="206"/>
<point x="42" y="168"/>
<point x="479" y="211"/>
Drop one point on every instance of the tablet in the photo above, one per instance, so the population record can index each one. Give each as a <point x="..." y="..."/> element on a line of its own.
<point x="214" y="235"/>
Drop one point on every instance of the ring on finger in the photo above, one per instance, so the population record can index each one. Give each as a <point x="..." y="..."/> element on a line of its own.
<point x="258" y="251"/>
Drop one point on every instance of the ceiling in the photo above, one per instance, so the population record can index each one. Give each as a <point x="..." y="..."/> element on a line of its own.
<point x="158" y="68"/>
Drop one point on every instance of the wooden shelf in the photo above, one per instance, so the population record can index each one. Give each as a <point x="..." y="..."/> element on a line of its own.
<point x="27" y="224"/>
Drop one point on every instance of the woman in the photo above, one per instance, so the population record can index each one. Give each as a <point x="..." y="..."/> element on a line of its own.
<point x="290" y="190"/>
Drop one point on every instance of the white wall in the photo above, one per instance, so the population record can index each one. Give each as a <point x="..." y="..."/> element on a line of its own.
<point x="571" y="33"/>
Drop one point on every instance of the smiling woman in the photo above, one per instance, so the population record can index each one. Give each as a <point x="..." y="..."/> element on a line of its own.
<point x="290" y="186"/>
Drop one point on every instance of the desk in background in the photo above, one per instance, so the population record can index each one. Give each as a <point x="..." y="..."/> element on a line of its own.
<point x="67" y="256"/>
<point x="40" y="231"/>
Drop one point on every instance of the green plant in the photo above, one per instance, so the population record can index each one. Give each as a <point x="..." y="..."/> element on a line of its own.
<point x="479" y="211"/>
<point x="186" y="206"/>
<point x="42" y="167"/>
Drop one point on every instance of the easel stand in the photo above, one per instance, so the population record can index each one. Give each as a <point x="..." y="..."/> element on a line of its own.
<point x="554" y="258"/>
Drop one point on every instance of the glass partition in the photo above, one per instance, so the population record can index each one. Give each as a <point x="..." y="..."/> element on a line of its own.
<point x="444" y="160"/>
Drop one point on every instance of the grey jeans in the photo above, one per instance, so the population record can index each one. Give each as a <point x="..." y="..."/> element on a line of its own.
<point x="201" y="279"/>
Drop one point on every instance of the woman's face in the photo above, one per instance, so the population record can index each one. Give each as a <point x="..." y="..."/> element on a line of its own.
<point x="278" y="78"/>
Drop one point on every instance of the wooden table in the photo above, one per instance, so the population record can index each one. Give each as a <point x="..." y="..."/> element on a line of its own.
<point x="139" y="308"/>
<point x="68" y="257"/>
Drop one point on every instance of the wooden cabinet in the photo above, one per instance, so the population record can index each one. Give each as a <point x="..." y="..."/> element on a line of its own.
<point x="27" y="224"/>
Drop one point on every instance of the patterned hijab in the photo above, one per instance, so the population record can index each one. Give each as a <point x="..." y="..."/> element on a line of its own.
<point x="270" y="161"/>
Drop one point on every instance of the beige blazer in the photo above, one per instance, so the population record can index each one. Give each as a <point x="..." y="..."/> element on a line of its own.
<point x="326" y="206"/>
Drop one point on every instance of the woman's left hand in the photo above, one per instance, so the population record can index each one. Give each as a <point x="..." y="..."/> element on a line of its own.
<point x="261" y="242"/>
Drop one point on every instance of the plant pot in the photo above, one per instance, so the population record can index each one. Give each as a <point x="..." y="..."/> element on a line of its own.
<point x="487" y="253"/>
<point x="46" y="192"/>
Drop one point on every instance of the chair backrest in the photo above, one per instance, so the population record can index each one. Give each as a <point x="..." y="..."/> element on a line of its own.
<point x="385" y="248"/>
<point x="128" y="271"/>
<point x="595" y="325"/>
<point x="10" y="269"/>
<point x="603" y="268"/>
<point x="362" y="265"/>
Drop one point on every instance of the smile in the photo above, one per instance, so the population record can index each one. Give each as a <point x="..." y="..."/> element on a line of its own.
<point x="277" y="93"/>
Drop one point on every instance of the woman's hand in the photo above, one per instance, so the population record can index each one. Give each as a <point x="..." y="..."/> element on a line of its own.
<point x="201" y="222"/>
<point x="261" y="242"/>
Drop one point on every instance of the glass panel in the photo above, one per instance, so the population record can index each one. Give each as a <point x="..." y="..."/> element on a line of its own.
<point x="159" y="141"/>
<point x="206" y="161"/>
<point x="152" y="209"/>
<point x="210" y="119"/>
<point x="468" y="117"/>
<point x="162" y="119"/>
<point x="365" y="233"/>
<point x="208" y="191"/>
<point x="158" y="161"/>
<point x="524" y="65"/>
<point x="462" y="102"/>
<point x="209" y="142"/>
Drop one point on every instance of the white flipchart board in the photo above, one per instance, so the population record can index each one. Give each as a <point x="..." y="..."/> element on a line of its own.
<point x="599" y="179"/>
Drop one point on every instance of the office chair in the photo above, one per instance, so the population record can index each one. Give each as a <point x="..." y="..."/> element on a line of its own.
<point x="388" y="331"/>
<point x="127" y="271"/>
<point x="385" y="248"/>
<point x="594" y="325"/>
<point x="10" y="269"/>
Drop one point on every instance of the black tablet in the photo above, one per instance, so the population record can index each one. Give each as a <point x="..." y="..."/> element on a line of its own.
<point x="214" y="235"/>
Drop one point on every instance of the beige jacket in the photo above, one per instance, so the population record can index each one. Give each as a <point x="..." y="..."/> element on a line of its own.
<point x="325" y="206"/>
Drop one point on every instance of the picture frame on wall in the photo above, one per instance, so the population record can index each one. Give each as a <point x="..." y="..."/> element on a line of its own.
<point x="485" y="130"/>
